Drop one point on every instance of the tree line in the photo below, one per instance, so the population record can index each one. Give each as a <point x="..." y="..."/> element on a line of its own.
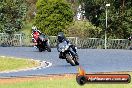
<point x="52" y="16"/>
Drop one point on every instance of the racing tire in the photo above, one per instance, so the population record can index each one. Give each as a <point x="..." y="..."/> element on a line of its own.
<point x="70" y="60"/>
<point x="48" y="48"/>
<point x="76" y="62"/>
<point x="40" y="49"/>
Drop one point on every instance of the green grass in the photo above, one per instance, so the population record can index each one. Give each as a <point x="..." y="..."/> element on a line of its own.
<point x="10" y="63"/>
<point x="61" y="83"/>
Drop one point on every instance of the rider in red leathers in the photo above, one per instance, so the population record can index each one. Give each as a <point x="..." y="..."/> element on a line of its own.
<point x="35" y="34"/>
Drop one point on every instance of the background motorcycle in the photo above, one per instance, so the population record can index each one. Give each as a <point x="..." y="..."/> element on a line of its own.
<point x="68" y="53"/>
<point x="130" y="43"/>
<point x="43" y="43"/>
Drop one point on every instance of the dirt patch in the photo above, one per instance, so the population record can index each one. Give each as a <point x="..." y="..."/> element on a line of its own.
<point x="32" y="78"/>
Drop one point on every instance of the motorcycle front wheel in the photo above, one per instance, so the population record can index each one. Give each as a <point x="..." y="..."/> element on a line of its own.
<point x="70" y="60"/>
<point x="76" y="61"/>
<point x="40" y="49"/>
<point x="48" y="48"/>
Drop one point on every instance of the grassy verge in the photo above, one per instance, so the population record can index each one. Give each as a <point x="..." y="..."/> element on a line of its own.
<point x="8" y="63"/>
<point x="57" y="82"/>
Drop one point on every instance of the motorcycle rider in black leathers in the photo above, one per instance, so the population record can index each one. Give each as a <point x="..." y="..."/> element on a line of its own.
<point x="60" y="38"/>
<point x="130" y="42"/>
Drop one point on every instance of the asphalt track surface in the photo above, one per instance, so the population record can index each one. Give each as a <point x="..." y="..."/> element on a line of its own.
<point x="91" y="60"/>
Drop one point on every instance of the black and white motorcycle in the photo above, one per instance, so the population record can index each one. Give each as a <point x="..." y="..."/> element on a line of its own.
<point x="67" y="52"/>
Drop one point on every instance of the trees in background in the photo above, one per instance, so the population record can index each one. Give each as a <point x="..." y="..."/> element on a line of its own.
<point x="53" y="16"/>
<point x="121" y="20"/>
<point x="119" y="16"/>
<point x="12" y="13"/>
<point x="83" y="29"/>
<point x="31" y="10"/>
<point x="56" y="15"/>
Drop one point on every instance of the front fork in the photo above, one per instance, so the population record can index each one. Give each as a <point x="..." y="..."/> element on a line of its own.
<point x="73" y="52"/>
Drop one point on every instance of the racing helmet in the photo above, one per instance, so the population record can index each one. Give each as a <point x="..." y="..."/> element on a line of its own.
<point x="34" y="29"/>
<point x="60" y="36"/>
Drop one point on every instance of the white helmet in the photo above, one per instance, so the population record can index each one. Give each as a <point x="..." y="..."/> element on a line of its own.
<point x="34" y="28"/>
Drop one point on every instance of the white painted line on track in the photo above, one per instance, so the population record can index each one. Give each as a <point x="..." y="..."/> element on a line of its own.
<point x="43" y="64"/>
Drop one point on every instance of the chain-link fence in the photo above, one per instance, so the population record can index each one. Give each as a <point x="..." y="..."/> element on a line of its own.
<point x="10" y="40"/>
<point x="93" y="43"/>
<point x="118" y="44"/>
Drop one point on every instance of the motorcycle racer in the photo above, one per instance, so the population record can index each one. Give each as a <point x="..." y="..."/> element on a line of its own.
<point x="61" y="38"/>
<point x="35" y="34"/>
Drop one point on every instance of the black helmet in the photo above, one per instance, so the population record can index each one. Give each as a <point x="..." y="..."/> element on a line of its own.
<point x="60" y="36"/>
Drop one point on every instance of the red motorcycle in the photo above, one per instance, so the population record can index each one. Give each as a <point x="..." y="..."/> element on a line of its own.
<point x="43" y="43"/>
